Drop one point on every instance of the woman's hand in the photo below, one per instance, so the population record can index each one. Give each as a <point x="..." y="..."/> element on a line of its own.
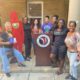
<point x="15" y="41"/>
<point x="40" y="31"/>
<point x="78" y="56"/>
<point x="78" y="47"/>
<point x="51" y="55"/>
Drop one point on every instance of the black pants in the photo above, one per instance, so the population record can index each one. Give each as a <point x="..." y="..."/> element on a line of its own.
<point x="28" y="42"/>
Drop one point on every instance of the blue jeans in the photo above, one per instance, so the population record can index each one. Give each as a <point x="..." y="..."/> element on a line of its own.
<point x="5" y="60"/>
<point x="16" y="54"/>
<point x="73" y="63"/>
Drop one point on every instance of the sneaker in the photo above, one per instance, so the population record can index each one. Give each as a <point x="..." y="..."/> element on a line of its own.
<point x="8" y="74"/>
<point x="27" y="59"/>
<point x="30" y="57"/>
<point x="21" y="65"/>
<point x="68" y="76"/>
<point x="59" y="72"/>
<point x="72" y="78"/>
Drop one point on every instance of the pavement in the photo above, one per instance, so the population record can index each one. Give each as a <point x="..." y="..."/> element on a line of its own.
<point x="32" y="72"/>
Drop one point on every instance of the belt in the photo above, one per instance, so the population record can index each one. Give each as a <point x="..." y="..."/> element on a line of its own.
<point x="72" y="52"/>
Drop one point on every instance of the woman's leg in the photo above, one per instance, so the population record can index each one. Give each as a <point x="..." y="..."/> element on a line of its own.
<point x="27" y="48"/>
<point x="18" y="55"/>
<point x="61" y="65"/>
<point x="61" y="55"/>
<point x="73" y="68"/>
<point x="33" y="44"/>
<point x="53" y="55"/>
<point x="5" y="61"/>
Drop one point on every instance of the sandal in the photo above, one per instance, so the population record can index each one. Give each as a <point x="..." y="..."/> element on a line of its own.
<point x="59" y="72"/>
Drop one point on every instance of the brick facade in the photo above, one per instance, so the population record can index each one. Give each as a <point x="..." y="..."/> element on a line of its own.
<point x="51" y="7"/>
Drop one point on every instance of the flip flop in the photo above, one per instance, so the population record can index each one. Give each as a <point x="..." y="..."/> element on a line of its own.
<point x="59" y="72"/>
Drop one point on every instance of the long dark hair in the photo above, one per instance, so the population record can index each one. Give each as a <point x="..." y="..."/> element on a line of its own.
<point x="38" y="25"/>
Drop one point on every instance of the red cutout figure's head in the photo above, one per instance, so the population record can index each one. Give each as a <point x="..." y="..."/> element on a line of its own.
<point x="13" y="17"/>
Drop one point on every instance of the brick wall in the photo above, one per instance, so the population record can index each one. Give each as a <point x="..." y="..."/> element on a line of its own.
<point x="51" y="7"/>
<point x="6" y="6"/>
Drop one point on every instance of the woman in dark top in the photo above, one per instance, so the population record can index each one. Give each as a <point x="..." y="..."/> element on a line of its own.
<point x="59" y="47"/>
<point x="27" y="38"/>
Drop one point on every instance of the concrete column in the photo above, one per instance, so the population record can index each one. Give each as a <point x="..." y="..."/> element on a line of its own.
<point x="74" y="12"/>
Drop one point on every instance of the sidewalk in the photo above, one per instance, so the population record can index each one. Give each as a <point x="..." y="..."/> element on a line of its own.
<point x="33" y="76"/>
<point x="32" y="72"/>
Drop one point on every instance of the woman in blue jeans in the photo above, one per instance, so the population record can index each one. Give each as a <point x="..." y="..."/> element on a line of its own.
<point x="3" y="52"/>
<point x="73" y="49"/>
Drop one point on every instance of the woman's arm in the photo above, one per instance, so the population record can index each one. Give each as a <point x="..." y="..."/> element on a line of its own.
<point x="3" y="43"/>
<point x="78" y="41"/>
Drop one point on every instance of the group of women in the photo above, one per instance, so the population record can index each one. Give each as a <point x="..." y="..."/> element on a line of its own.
<point x="66" y="41"/>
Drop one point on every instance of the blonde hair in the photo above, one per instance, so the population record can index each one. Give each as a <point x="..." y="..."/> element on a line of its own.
<point x="7" y="24"/>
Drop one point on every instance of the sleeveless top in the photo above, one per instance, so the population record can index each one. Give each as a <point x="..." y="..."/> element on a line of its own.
<point x="36" y="30"/>
<point x="73" y="41"/>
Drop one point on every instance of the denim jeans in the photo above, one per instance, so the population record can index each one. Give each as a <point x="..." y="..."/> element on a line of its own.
<point x="5" y="60"/>
<point x="16" y="54"/>
<point x="73" y="63"/>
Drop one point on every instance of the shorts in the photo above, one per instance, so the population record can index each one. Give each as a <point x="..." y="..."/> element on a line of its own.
<point x="59" y="51"/>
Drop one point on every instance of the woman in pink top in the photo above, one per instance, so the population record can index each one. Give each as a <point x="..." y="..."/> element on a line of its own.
<point x="36" y="26"/>
<point x="73" y="45"/>
<point x="36" y="29"/>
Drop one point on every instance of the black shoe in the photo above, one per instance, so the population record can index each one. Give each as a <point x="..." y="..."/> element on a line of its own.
<point x="21" y="65"/>
<point x="8" y="74"/>
<point x="30" y="57"/>
<point x="27" y="59"/>
<point x="73" y="78"/>
<point x="70" y="77"/>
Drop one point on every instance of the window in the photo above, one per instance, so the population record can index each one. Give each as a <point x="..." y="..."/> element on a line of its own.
<point x="35" y="10"/>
